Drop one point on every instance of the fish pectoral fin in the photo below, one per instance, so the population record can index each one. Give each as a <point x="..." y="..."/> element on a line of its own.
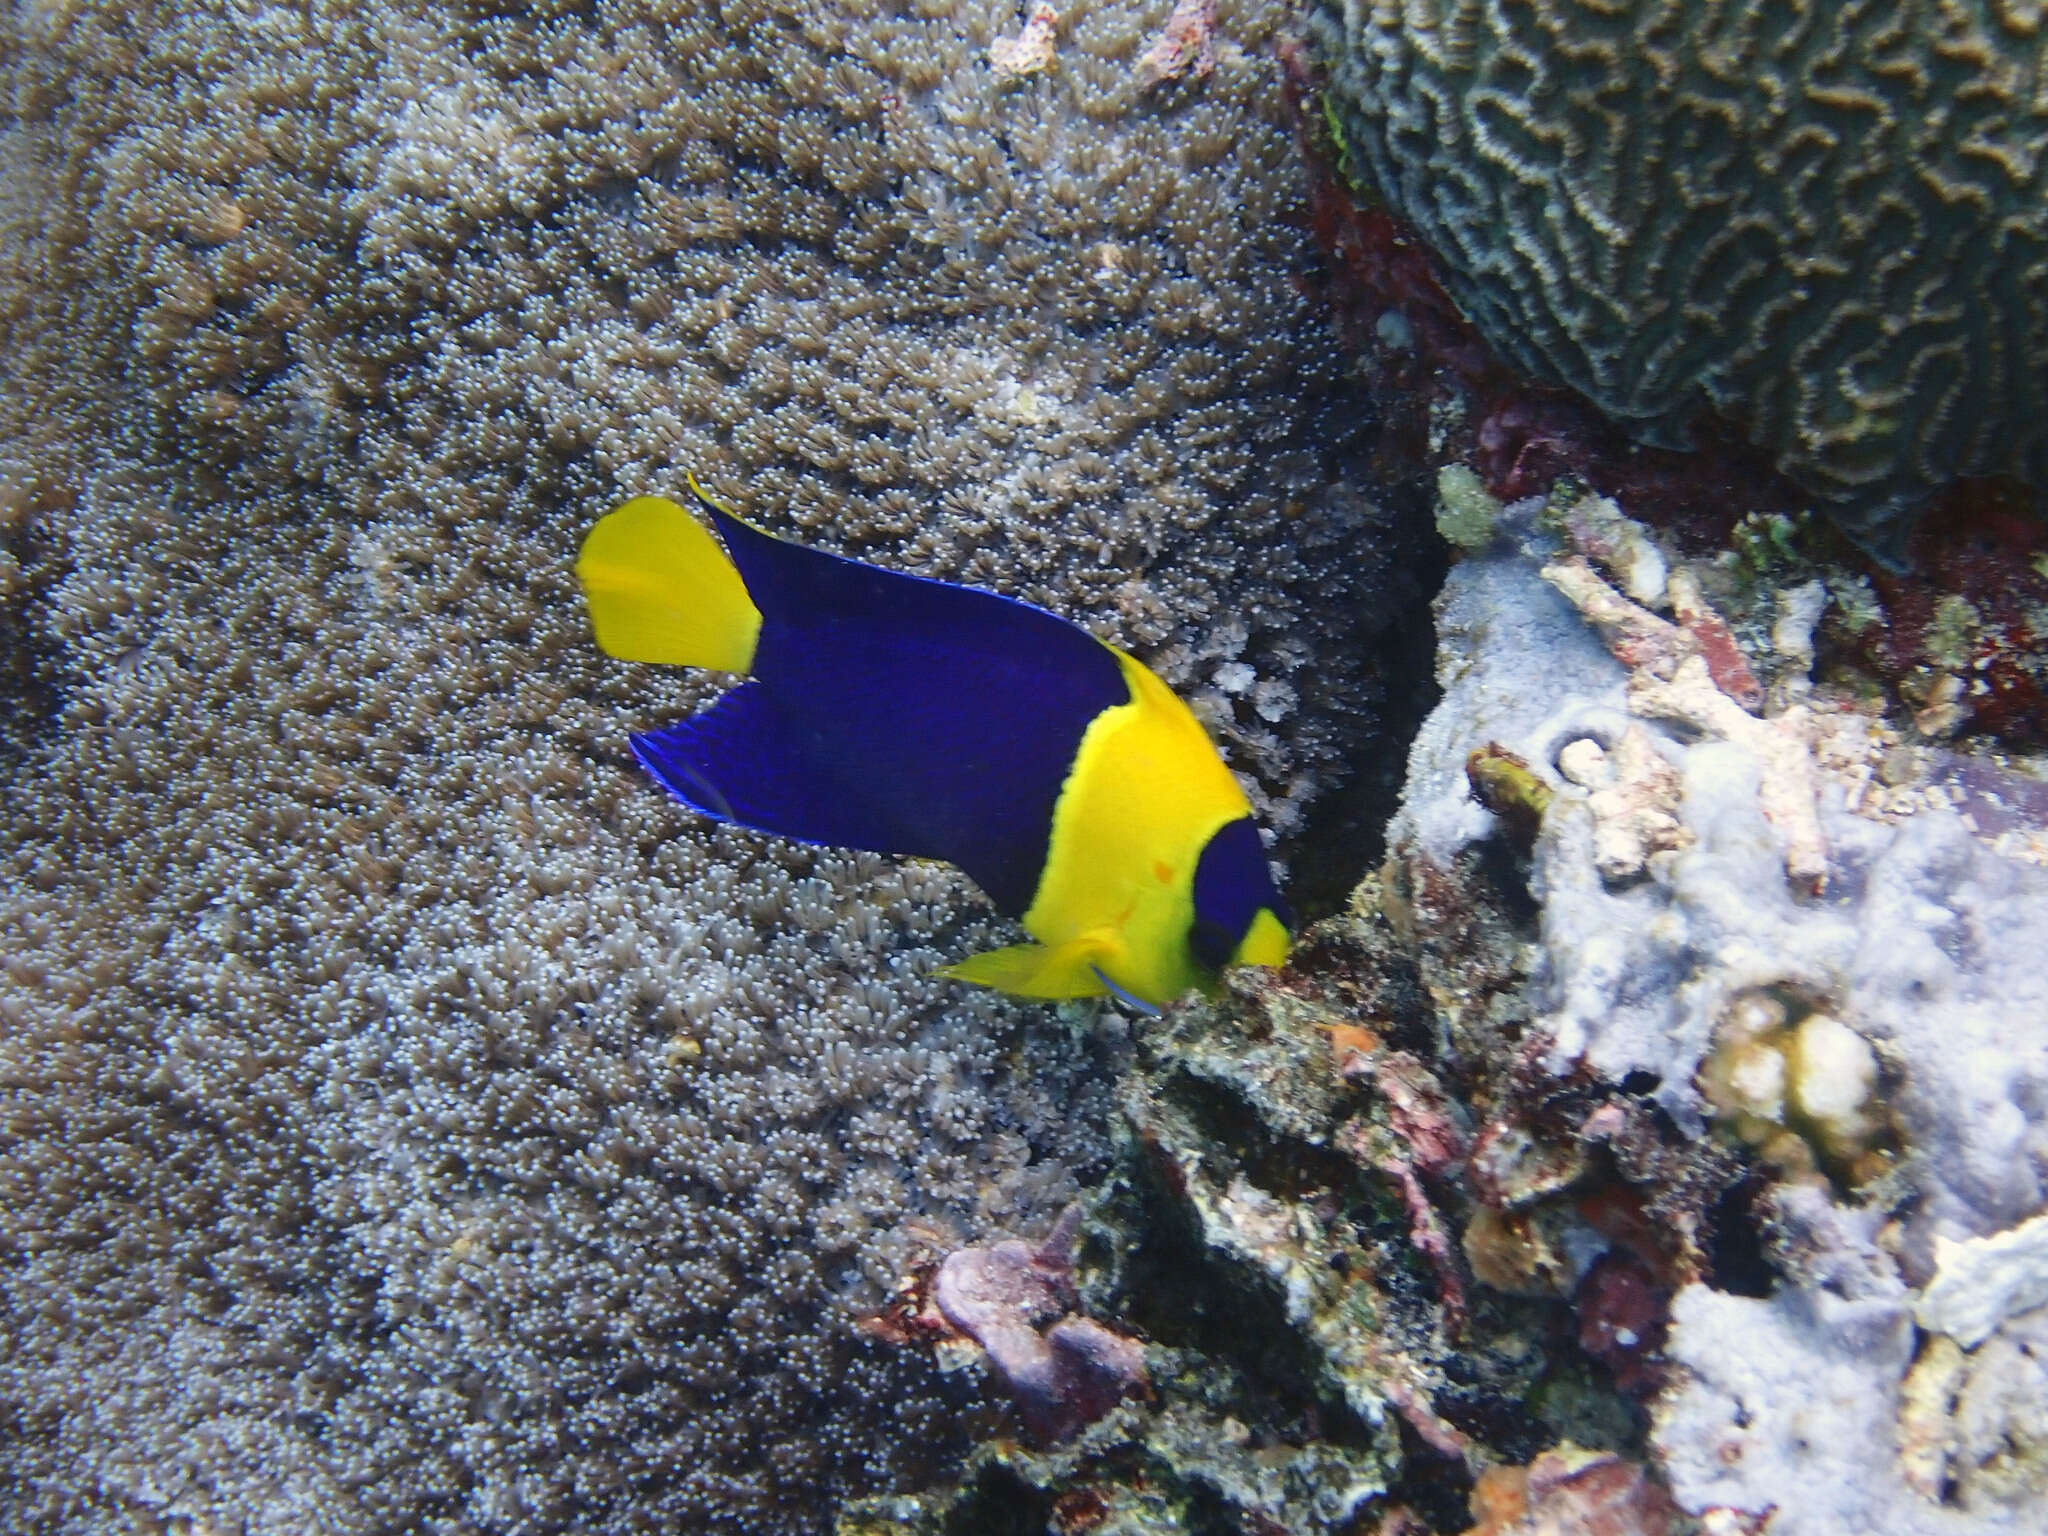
<point x="1039" y="970"/>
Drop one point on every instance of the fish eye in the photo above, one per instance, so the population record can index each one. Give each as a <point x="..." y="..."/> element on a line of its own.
<point x="1211" y="943"/>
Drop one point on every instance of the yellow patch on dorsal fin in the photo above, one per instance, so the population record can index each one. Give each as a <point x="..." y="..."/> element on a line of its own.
<point x="660" y="588"/>
<point x="1040" y="970"/>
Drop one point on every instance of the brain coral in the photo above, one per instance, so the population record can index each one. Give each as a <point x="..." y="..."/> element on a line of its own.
<point x="1825" y="224"/>
<point x="407" y="1120"/>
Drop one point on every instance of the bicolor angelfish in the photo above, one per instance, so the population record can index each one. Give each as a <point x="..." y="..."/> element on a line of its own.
<point x="916" y="717"/>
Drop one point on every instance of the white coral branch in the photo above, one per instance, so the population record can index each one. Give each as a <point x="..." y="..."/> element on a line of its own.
<point x="1670" y="678"/>
<point x="1782" y="746"/>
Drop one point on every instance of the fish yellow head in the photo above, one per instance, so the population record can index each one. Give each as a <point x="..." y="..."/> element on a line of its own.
<point x="1154" y="878"/>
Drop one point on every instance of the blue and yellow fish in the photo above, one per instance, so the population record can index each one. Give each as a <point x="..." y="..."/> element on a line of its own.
<point x="916" y="717"/>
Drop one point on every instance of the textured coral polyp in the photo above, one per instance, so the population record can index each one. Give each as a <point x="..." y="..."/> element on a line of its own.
<point x="412" y="1121"/>
<point x="1980" y="540"/>
<point x="1386" y="291"/>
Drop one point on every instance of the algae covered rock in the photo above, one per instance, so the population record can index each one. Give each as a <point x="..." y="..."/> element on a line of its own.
<point x="1608" y="1144"/>
<point x="1280" y="1226"/>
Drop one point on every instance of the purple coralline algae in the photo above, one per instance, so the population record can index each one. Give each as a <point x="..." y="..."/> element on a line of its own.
<point x="1017" y="1302"/>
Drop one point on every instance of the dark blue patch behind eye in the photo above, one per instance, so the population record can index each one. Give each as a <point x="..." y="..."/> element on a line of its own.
<point x="1212" y="943"/>
<point x="1232" y="881"/>
<point x="896" y="714"/>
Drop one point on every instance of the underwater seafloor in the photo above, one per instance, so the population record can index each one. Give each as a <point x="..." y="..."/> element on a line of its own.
<point x="1574" y="457"/>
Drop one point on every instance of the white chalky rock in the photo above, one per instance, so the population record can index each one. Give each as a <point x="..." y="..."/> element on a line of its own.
<point x="1981" y="1282"/>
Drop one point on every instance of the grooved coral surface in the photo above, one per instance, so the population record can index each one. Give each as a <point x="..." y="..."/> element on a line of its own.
<point x="408" y="1119"/>
<point x="1823" y="224"/>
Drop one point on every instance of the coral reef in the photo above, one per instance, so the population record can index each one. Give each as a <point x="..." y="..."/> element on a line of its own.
<point x="1570" y="1492"/>
<point x="1963" y="632"/>
<point x="1185" y="1468"/>
<point x="822" y="258"/>
<point x="1958" y="627"/>
<point x="1980" y="1282"/>
<point x="1820" y="229"/>
<point x="1841" y="981"/>
<point x="1608" y="1147"/>
<point x="1279" y="1168"/>
<point x="407" y="1119"/>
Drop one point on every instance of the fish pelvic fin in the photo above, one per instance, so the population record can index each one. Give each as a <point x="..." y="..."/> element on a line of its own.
<point x="1064" y="970"/>
<point x="660" y="588"/>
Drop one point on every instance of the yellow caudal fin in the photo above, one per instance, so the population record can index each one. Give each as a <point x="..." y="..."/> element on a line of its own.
<point x="1038" y="970"/>
<point x="661" y="589"/>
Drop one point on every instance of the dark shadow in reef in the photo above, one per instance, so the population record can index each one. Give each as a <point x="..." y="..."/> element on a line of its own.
<point x="1344" y="833"/>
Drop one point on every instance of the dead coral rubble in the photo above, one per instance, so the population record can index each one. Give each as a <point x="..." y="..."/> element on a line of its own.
<point x="1692" y="674"/>
<point x="1793" y="983"/>
<point x="1572" y="1492"/>
<point x="1185" y="47"/>
<point x="1530" y="1150"/>
<point x="1030" y="51"/>
<point x="1282" y="1224"/>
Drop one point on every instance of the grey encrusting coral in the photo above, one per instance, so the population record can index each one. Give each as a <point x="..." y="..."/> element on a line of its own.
<point x="1797" y="933"/>
<point x="410" y="1120"/>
